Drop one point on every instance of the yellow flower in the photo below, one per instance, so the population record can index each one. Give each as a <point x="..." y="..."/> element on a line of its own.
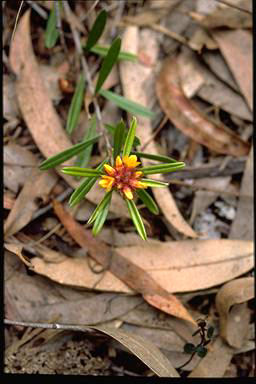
<point x="123" y="176"/>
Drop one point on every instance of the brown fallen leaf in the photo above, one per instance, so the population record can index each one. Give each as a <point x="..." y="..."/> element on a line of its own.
<point x="137" y="86"/>
<point x="25" y="204"/>
<point x="135" y="277"/>
<point x="186" y="117"/>
<point x="9" y="201"/>
<point x="234" y="292"/>
<point x="236" y="48"/>
<point x="38" y="112"/>
<point x="243" y="225"/>
<point x="237" y="325"/>
<point x="17" y="250"/>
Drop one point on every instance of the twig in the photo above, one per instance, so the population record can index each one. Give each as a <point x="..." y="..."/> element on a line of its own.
<point x="89" y="11"/>
<point x="163" y="122"/>
<point x="61" y="197"/>
<point x="41" y="12"/>
<point x="59" y="27"/>
<point x="86" y="71"/>
<point x="118" y="15"/>
<point x="234" y="6"/>
<point x="16" y="20"/>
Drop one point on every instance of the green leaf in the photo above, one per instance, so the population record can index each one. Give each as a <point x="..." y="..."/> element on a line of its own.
<point x="127" y="105"/>
<point x="201" y="351"/>
<point x="103" y="51"/>
<point x="130" y="137"/>
<point x="85" y="187"/>
<point x="67" y="154"/>
<point x="108" y="63"/>
<point x="164" y="159"/>
<point x="111" y="129"/>
<point x="155" y="183"/>
<point x="148" y="201"/>
<point x="101" y="218"/>
<point x="162" y="168"/>
<point x="210" y="332"/>
<point x="97" y="29"/>
<point x="84" y="172"/>
<point x="118" y="138"/>
<point x="84" y="157"/>
<point x="76" y="105"/>
<point x="189" y="348"/>
<point x="52" y="33"/>
<point x="136" y="218"/>
<point x="106" y="199"/>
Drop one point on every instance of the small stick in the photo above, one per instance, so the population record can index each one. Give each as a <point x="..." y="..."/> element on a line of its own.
<point x="41" y="12"/>
<point x="59" y="27"/>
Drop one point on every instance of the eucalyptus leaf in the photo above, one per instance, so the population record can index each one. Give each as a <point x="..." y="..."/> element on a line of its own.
<point x="127" y="105"/>
<point x="118" y="138"/>
<point x="162" y="168"/>
<point x="97" y="30"/>
<point x="148" y="201"/>
<point x="52" y="33"/>
<point x="67" y="154"/>
<point x="101" y="218"/>
<point x="130" y="137"/>
<point x="108" y="63"/>
<point x="76" y="105"/>
<point x="154" y="183"/>
<point x="136" y="218"/>
<point x="164" y="159"/>
<point x="106" y="199"/>
<point x="103" y="51"/>
<point x="84" y="172"/>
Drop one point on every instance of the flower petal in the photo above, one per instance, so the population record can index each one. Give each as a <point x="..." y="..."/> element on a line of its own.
<point x="138" y="174"/>
<point x="138" y="184"/>
<point x="119" y="162"/>
<point x="128" y="193"/>
<point x="131" y="161"/>
<point x="111" y="171"/>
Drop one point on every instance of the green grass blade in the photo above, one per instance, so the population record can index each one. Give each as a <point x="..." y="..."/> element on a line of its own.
<point x="97" y="30"/>
<point x="155" y="183"/>
<point x="101" y="218"/>
<point x="136" y="218"/>
<point x="84" y="188"/>
<point x="126" y="104"/>
<point x="118" y="138"/>
<point x="130" y="137"/>
<point x="67" y="154"/>
<point x="108" y="63"/>
<point x="76" y="105"/>
<point x="111" y="129"/>
<point x="103" y="51"/>
<point x="164" y="159"/>
<point x="84" y="157"/>
<point x="162" y="168"/>
<point x="100" y="206"/>
<point x="83" y="172"/>
<point x="51" y="34"/>
<point x="148" y="201"/>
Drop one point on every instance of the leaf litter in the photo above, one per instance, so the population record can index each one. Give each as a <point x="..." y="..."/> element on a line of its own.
<point x="177" y="266"/>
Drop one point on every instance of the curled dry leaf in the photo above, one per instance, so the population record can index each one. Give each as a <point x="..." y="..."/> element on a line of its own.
<point x="186" y="117"/>
<point x="38" y="112"/>
<point x="236" y="48"/>
<point x="130" y="273"/>
<point x="137" y="85"/>
<point x="234" y="292"/>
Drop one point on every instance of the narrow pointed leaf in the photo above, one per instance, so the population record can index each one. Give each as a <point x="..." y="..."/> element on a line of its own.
<point x="51" y="34"/>
<point x="100" y="206"/>
<point x="111" y="129"/>
<point x="97" y="30"/>
<point x="101" y="218"/>
<point x="148" y="201"/>
<point x="84" y="188"/>
<point x="102" y="50"/>
<point x="76" y="105"/>
<point x="118" y="138"/>
<point x="84" y="157"/>
<point x="108" y="63"/>
<point x="67" y="154"/>
<point x="162" y="168"/>
<point x="130" y="137"/>
<point x="126" y="104"/>
<point x="155" y="183"/>
<point x="164" y="159"/>
<point x="136" y="218"/>
<point x="83" y="172"/>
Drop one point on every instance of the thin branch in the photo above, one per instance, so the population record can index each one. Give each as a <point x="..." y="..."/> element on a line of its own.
<point x="59" y="27"/>
<point x="86" y="71"/>
<point x="16" y="20"/>
<point x="234" y="6"/>
<point x="41" y="12"/>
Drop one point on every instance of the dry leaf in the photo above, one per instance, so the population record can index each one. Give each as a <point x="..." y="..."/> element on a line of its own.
<point x="25" y="204"/>
<point x="38" y="112"/>
<point x="201" y="38"/>
<point x="236" y="48"/>
<point x="145" y="350"/>
<point x="237" y="325"/>
<point x="137" y="86"/>
<point x="186" y="117"/>
<point x="10" y="103"/>
<point x="130" y="273"/>
<point x="17" y="250"/>
<point x="234" y="292"/>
